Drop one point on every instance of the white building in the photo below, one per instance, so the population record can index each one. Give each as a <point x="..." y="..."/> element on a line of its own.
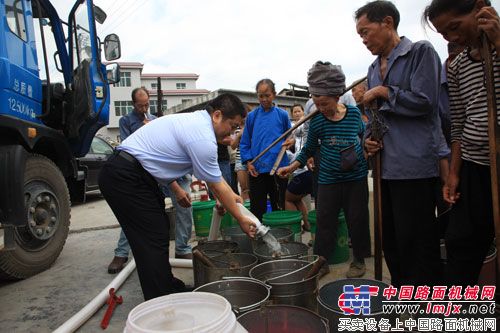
<point x="176" y="89"/>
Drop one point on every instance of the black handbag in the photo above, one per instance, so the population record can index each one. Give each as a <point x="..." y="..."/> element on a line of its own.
<point x="348" y="158"/>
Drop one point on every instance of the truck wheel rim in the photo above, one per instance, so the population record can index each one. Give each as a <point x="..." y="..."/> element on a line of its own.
<point x="43" y="211"/>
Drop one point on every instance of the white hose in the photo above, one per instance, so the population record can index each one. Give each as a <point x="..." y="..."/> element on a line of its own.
<point x="79" y="318"/>
<point x="181" y="263"/>
<point x="73" y="323"/>
<point x="213" y="234"/>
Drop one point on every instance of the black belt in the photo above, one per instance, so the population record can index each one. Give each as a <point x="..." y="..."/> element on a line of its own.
<point x="130" y="158"/>
<point x="127" y="156"/>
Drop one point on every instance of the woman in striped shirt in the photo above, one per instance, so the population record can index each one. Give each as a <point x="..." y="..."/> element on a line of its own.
<point x="471" y="229"/>
<point x="342" y="181"/>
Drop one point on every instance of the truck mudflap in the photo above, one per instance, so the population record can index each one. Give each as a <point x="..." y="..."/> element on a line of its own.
<point x="12" y="161"/>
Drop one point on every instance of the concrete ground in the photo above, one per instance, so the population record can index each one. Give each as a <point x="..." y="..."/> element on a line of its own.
<point x="44" y="302"/>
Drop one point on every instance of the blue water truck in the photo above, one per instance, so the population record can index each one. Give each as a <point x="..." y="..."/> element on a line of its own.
<point x="54" y="97"/>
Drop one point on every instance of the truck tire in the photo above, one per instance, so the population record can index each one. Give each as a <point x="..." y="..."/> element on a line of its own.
<point x="40" y="241"/>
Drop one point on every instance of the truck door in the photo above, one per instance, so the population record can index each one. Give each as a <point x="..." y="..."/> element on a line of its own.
<point x="19" y="85"/>
<point x="90" y="102"/>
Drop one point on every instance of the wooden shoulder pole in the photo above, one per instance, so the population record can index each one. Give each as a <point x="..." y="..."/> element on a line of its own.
<point x="377" y="134"/>
<point x="290" y="130"/>
<point x="494" y="139"/>
<point x="377" y="215"/>
<point x="300" y="122"/>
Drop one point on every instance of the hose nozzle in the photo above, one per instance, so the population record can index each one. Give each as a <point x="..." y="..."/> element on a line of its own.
<point x="262" y="230"/>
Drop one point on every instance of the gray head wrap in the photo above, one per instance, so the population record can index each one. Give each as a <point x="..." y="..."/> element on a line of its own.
<point x="325" y="79"/>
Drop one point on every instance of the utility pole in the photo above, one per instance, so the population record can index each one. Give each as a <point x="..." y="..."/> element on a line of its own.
<point x="159" y="104"/>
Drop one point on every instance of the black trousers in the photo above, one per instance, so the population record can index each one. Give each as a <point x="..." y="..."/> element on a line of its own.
<point x="352" y="197"/>
<point x="443" y="209"/>
<point x="410" y="232"/>
<point x="262" y="186"/>
<point x="315" y="174"/>
<point x="234" y="180"/>
<point x="138" y="203"/>
<point x="470" y="231"/>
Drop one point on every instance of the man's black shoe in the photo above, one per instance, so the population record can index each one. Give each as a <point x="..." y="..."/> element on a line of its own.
<point x="117" y="264"/>
<point x="179" y="286"/>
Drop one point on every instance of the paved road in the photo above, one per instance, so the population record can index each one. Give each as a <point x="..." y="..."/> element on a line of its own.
<point x="43" y="302"/>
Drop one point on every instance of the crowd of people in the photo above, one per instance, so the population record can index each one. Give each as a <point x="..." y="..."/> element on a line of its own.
<point x="427" y="121"/>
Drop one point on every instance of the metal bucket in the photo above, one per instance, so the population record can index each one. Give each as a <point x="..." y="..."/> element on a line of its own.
<point x="243" y="294"/>
<point x="291" y="288"/>
<point x="329" y="299"/>
<point x="227" y="265"/>
<point x="235" y="234"/>
<point x="292" y="250"/>
<point x="283" y="319"/>
<point x="282" y="235"/>
<point x="210" y="249"/>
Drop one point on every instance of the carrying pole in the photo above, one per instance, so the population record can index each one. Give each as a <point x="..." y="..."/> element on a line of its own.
<point x="290" y="130"/>
<point x="378" y="130"/>
<point x="377" y="214"/>
<point x="494" y="139"/>
<point x="300" y="122"/>
<point x="377" y="134"/>
<point x="278" y="159"/>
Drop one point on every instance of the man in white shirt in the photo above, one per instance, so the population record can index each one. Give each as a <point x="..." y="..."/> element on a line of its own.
<point x="167" y="149"/>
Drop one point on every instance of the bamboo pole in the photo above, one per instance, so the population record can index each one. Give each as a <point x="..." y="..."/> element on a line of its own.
<point x="377" y="215"/>
<point x="377" y="134"/>
<point x="291" y="129"/>
<point x="278" y="160"/>
<point x="494" y="140"/>
<point x="300" y="122"/>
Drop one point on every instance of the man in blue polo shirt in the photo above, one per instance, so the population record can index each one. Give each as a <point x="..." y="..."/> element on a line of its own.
<point x="166" y="149"/>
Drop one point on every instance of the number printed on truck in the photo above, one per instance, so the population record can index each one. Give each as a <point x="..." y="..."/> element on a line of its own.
<point x="20" y="107"/>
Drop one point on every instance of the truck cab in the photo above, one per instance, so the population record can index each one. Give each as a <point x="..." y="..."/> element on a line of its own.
<point x="54" y="97"/>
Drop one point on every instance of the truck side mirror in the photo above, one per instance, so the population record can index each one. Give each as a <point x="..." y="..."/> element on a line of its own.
<point x="112" y="49"/>
<point x="99" y="14"/>
<point x="113" y="73"/>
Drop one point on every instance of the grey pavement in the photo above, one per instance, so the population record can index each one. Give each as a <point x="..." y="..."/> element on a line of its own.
<point x="94" y="214"/>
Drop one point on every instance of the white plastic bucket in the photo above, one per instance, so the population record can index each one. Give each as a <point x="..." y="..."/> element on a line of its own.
<point x="198" y="312"/>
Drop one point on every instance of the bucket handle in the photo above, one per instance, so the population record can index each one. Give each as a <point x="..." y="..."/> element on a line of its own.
<point x="292" y="272"/>
<point x="236" y="309"/>
<point x="264" y="307"/>
<point x="314" y="256"/>
<point x="325" y="321"/>
<point x="247" y="279"/>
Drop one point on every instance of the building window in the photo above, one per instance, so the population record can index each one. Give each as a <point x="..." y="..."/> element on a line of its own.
<point x="180" y="85"/>
<point x="123" y="108"/>
<point x="186" y="100"/>
<point x="124" y="80"/>
<point x="154" y="86"/>
<point x="15" y="18"/>
<point x="153" y="106"/>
